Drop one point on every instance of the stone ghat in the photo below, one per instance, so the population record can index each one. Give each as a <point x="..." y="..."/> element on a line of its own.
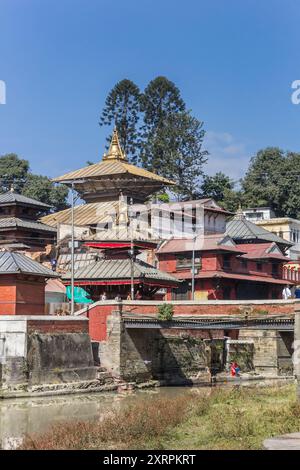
<point x="39" y="351"/>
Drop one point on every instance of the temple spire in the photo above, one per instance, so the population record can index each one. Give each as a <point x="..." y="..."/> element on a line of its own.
<point x="115" y="151"/>
<point x="239" y="215"/>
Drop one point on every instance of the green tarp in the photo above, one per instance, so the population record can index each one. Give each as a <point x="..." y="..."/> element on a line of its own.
<point x="80" y="295"/>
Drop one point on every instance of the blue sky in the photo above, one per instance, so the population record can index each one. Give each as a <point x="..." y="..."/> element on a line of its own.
<point x="234" y="62"/>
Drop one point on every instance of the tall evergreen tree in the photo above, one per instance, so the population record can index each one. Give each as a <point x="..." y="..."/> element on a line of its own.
<point x="122" y="108"/>
<point x="160" y="101"/>
<point x="179" y="142"/>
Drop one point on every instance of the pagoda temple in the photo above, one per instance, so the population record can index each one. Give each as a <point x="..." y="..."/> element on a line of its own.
<point x="19" y="225"/>
<point x="105" y="181"/>
<point x="103" y="227"/>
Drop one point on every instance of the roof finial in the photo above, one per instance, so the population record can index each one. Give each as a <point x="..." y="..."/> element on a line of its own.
<point x="115" y="151"/>
<point x="239" y="213"/>
<point x="12" y="188"/>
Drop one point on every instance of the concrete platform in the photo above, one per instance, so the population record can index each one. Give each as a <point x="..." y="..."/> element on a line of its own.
<point x="284" y="442"/>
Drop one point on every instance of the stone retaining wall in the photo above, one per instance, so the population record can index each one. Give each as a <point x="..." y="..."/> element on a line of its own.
<point x="44" y="350"/>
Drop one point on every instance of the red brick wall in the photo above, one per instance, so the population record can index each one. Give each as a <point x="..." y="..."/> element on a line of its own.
<point x="57" y="326"/>
<point x="30" y="297"/>
<point x="7" y="296"/>
<point x="97" y="321"/>
<point x="22" y="296"/>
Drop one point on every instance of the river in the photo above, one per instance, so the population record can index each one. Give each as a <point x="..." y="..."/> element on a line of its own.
<point x="21" y="416"/>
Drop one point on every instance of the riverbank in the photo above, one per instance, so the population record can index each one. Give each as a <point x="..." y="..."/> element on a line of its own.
<point x="219" y="418"/>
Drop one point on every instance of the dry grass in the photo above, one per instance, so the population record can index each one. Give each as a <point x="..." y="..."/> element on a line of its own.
<point x="239" y="418"/>
<point x="119" y="429"/>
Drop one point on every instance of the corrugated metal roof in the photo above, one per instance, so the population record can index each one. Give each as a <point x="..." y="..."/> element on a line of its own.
<point x="80" y="260"/>
<point x="243" y="229"/>
<point x="14" y="198"/>
<point x="84" y="214"/>
<point x="16" y="263"/>
<point x="110" y="167"/>
<point x="15" y="222"/>
<point x="120" y="269"/>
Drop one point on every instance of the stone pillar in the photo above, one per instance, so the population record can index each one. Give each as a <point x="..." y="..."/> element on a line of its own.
<point x="296" y="355"/>
<point x="265" y="357"/>
<point x="110" y="350"/>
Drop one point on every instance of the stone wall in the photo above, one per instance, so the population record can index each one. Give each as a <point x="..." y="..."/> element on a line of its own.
<point x="44" y="350"/>
<point x="140" y="355"/>
<point x="99" y="312"/>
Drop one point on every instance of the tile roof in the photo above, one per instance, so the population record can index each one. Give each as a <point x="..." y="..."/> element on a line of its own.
<point x="17" y="263"/>
<point x="11" y="197"/>
<point x="243" y="229"/>
<point x="117" y="269"/>
<point x="207" y="243"/>
<point x="55" y="285"/>
<point x="237" y="276"/>
<point x="15" y="222"/>
<point x="262" y="251"/>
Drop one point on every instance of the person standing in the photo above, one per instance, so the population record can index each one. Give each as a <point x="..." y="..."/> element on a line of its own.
<point x="286" y="293"/>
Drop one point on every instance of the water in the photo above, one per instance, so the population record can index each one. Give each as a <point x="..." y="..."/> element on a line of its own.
<point x="21" y="416"/>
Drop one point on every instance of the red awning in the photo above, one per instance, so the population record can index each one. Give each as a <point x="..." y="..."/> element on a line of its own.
<point x="119" y="283"/>
<point x="119" y="244"/>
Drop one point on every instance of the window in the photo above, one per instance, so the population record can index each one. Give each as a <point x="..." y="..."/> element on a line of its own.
<point x="244" y="263"/>
<point x="184" y="261"/>
<point x="275" y="269"/>
<point x="259" y="266"/>
<point x="226" y="261"/>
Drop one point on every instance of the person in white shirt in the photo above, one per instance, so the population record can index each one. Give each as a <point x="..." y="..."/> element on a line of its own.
<point x="103" y="296"/>
<point x="286" y="293"/>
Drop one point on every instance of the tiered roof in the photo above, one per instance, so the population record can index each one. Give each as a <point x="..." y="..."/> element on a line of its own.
<point x="113" y="174"/>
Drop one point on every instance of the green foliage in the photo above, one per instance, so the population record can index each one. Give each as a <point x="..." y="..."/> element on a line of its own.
<point x="177" y="151"/>
<point x="273" y="180"/>
<point x="163" y="197"/>
<point x="215" y="186"/>
<point x="122" y="107"/>
<point x="15" y="171"/>
<point x="165" y="312"/>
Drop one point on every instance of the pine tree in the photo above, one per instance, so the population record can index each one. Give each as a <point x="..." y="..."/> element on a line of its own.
<point x="122" y="108"/>
<point x="160" y="101"/>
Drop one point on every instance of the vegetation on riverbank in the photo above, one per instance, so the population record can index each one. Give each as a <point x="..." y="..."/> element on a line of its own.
<point x="236" y="418"/>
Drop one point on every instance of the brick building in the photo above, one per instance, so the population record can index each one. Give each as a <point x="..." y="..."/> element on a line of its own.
<point x="224" y="269"/>
<point x="22" y="285"/>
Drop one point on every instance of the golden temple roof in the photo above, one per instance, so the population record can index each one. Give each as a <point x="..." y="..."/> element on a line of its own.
<point x="113" y="163"/>
<point x="84" y="214"/>
<point x="115" y="151"/>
